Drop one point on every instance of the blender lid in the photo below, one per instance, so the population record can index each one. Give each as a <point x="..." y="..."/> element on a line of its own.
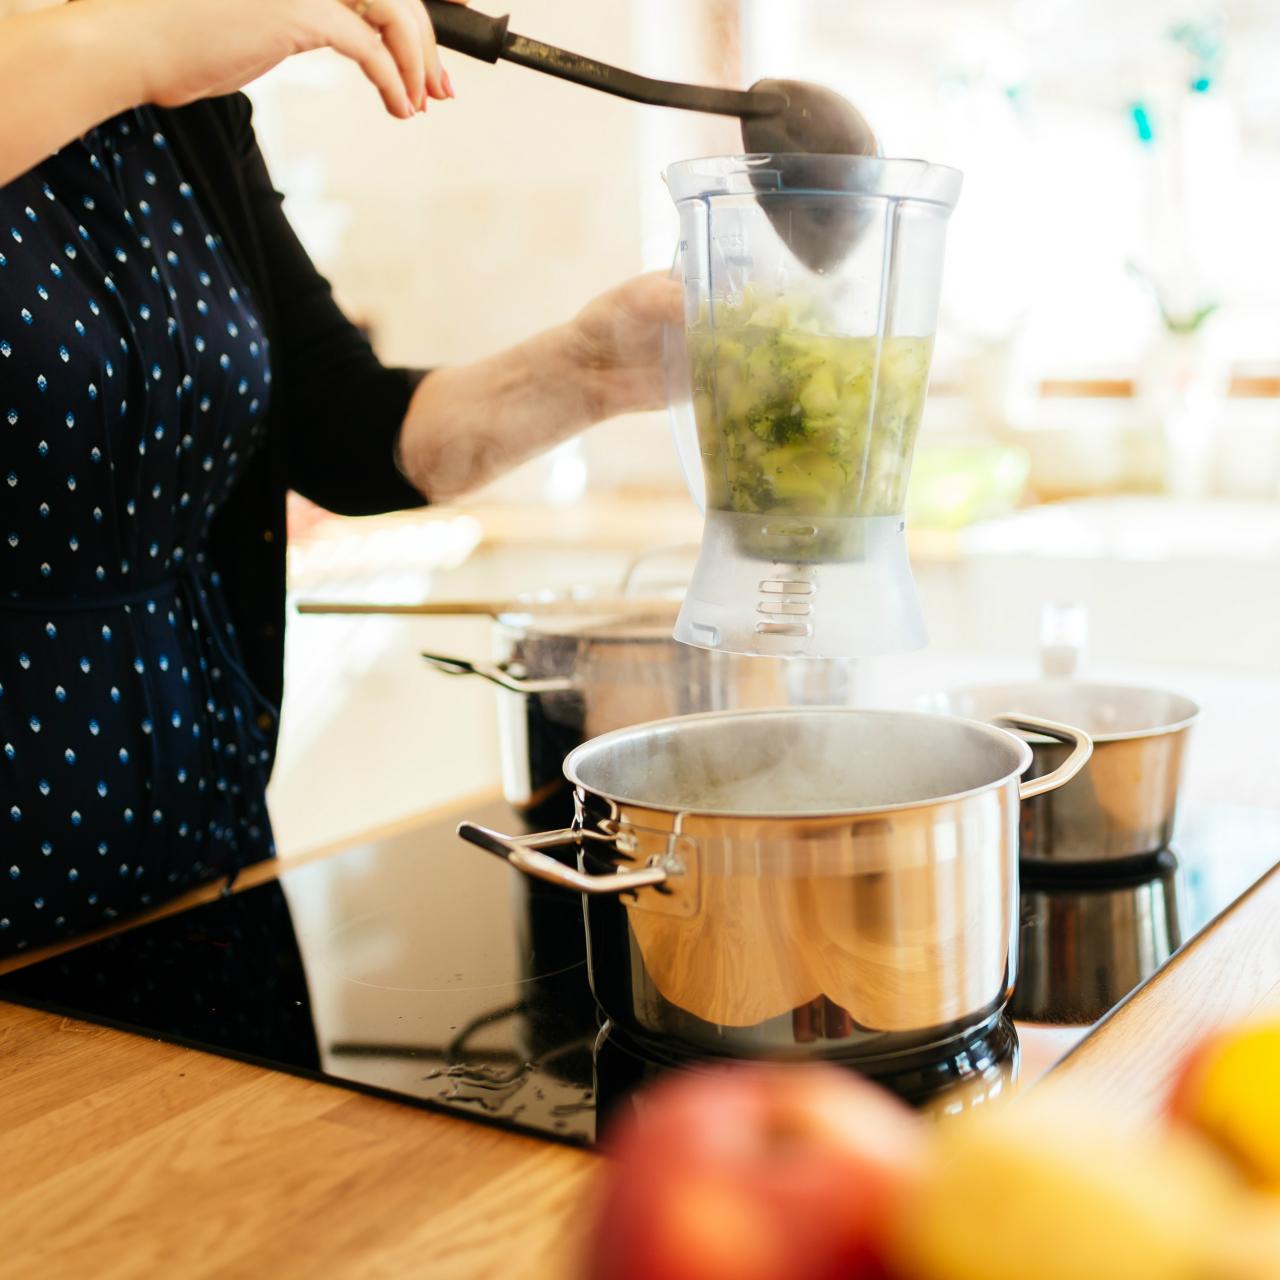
<point x="794" y="173"/>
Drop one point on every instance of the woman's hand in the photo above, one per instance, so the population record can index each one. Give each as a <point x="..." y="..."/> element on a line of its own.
<point x="67" y="67"/>
<point x="615" y="343"/>
<point x="198" y="48"/>
<point x="469" y="423"/>
<point x="12" y="8"/>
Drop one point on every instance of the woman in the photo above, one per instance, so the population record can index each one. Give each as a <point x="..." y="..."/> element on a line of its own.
<point x="170" y="365"/>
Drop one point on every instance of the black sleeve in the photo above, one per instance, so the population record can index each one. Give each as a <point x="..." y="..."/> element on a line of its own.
<point x="340" y="408"/>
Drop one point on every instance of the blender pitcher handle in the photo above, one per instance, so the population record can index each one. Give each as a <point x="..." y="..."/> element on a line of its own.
<point x="1077" y="739"/>
<point x="684" y="426"/>
<point x="522" y="853"/>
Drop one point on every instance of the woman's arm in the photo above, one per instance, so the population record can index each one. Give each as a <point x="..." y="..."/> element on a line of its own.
<point x="67" y="67"/>
<point x="63" y="69"/>
<point x="342" y="411"/>
<point x="469" y="423"/>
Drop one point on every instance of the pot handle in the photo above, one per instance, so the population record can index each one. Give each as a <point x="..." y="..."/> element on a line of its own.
<point x="627" y="586"/>
<point x="522" y="853"/>
<point x="1081" y="743"/>
<point x="497" y="675"/>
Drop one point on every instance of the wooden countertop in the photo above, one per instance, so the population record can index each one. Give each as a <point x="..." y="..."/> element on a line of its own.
<point x="627" y="521"/>
<point x="126" y="1156"/>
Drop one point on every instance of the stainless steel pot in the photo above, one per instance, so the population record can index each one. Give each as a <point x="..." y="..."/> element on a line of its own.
<point x="565" y="679"/>
<point x="1125" y="803"/>
<point x="823" y="882"/>
<point x="1085" y="946"/>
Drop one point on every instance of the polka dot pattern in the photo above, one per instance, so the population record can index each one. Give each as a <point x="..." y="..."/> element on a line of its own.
<point x="134" y="379"/>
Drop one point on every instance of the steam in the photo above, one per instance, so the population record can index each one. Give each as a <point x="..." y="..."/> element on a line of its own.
<point x="793" y="762"/>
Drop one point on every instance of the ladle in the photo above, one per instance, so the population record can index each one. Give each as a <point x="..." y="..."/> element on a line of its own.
<point x="777" y="116"/>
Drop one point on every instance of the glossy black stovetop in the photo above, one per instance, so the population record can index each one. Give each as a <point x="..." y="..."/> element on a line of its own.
<point x="420" y="968"/>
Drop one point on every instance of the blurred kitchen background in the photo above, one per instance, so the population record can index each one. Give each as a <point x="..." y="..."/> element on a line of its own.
<point x="1103" y="429"/>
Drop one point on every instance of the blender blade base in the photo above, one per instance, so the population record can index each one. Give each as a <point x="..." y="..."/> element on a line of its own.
<point x="800" y="586"/>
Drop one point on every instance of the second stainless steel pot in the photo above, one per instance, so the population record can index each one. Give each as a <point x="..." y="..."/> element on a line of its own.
<point x="1124" y="804"/>
<point x="823" y="882"/>
<point x="565" y="679"/>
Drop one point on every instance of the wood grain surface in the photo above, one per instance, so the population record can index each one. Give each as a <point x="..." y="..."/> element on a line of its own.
<point x="127" y="1157"/>
<point x="1228" y="972"/>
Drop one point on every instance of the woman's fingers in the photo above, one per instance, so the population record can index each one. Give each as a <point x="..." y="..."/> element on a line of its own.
<point x="358" y="40"/>
<point x="397" y="24"/>
<point x="394" y="44"/>
<point x="444" y="86"/>
<point x="425" y="35"/>
<point x="437" y="83"/>
<point x="448" y="84"/>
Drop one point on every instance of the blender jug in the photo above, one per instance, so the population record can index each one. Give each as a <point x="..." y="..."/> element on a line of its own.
<point x="796" y="396"/>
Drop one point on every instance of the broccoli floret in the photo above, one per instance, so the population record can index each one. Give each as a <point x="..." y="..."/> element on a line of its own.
<point x="777" y="422"/>
<point x="789" y="425"/>
<point x="751" y="491"/>
<point x="760" y="421"/>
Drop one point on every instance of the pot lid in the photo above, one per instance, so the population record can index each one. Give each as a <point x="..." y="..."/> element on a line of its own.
<point x="617" y="619"/>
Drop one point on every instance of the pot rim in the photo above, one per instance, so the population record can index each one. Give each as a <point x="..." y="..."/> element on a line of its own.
<point x="989" y="730"/>
<point x="1088" y="686"/>
<point x="646" y="627"/>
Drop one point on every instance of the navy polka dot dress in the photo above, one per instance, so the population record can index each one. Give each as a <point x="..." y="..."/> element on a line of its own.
<point x="134" y="379"/>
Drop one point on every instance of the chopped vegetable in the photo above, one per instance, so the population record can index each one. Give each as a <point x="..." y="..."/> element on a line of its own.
<point x="796" y="421"/>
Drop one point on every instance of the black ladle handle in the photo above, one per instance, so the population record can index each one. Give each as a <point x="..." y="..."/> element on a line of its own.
<point x="481" y="36"/>
<point x="466" y="31"/>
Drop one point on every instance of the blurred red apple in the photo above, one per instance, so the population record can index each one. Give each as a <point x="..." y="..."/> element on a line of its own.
<point x="754" y="1172"/>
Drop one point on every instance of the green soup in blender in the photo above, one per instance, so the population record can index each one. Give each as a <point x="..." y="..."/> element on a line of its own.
<point x="796" y="421"/>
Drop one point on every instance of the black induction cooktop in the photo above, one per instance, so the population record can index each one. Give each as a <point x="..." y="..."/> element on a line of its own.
<point x="420" y="968"/>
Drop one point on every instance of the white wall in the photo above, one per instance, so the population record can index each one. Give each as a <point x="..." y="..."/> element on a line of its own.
<point x="504" y="211"/>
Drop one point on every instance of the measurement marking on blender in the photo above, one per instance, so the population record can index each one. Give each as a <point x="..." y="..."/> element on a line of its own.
<point x="803" y="531"/>
<point x="783" y="629"/>
<point x="797" y="608"/>
<point x="786" y="587"/>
